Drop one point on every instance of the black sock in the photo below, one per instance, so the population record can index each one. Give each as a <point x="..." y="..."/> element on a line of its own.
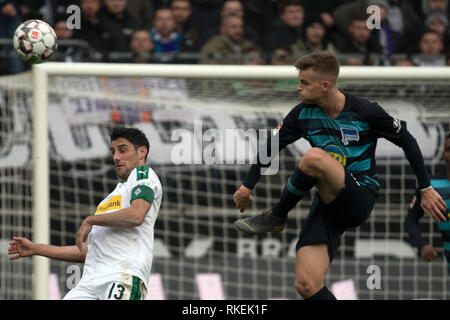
<point x="297" y="185"/>
<point x="322" y="294"/>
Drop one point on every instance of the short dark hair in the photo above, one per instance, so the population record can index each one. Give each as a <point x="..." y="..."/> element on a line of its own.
<point x="286" y="3"/>
<point x="134" y="135"/>
<point x="323" y="62"/>
<point x="172" y="1"/>
<point x="426" y="31"/>
<point x="359" y="16"/>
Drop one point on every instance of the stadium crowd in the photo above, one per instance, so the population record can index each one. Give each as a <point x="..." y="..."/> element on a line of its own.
<point x="409" y="32"/>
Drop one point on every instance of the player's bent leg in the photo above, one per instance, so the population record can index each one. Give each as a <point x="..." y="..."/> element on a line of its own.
<point x="327" y="170"/>
<point x="298" y="184"/>
<point x="274" y="219"/>
<point x="316" y="166"/>
<point x="311" y="265"/>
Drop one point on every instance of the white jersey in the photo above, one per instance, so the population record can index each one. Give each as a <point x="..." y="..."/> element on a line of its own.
<point x="125" y="250"/>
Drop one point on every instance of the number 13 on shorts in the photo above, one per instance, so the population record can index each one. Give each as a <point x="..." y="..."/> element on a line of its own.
<point x="130" y="288"/>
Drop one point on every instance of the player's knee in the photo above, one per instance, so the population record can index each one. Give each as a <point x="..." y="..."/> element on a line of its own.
<point x="306" y="285"/>
<point x="312" y="161"/>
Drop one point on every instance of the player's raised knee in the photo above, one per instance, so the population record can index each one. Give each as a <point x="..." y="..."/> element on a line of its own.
<point x="313" y="159"/>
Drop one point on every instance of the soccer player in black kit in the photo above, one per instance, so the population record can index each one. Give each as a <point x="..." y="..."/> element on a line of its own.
<point x="441" y="183"/>
<point x="343" y="131"/>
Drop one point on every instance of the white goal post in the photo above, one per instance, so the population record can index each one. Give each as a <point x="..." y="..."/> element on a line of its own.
<point x="40" y="155"/>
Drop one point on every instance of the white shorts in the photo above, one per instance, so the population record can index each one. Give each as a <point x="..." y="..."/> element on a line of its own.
<point x="114" y="287"/>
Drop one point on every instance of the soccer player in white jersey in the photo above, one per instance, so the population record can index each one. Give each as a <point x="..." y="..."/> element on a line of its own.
<point x="116" y="242"/>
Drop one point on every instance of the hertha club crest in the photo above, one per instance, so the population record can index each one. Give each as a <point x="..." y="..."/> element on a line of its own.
<point x="349" y="134"/>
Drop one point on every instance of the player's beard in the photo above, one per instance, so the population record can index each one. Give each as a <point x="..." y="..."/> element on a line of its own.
<point x="124" y="172"/>
<point x="126" y="167"/>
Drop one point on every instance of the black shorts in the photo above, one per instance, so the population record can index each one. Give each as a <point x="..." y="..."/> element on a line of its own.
<point x="326" y="223"/>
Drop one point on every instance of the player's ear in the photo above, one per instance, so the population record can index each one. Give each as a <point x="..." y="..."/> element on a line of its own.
<point x="142" y="152"/>
<point x="326" y="84"/>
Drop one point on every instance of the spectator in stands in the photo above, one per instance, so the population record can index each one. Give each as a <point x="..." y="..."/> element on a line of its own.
<point x="67" y="52"/>
<point x="93" y="30"/>
<point x="230" y="41"/>
<point x="233" y="8"/>
<point x="430" y="5"/>
<point x="258" y="14"/>
<point x="182" y="13"/>
<point x="401" y="16"/>
<point x="404" y="20"/>
<point x="359" y="41"/>
<point x="314" y="37"/>
<point x="62" y="31"/>
<point x="287" y="27"/>
<point x="143" y="10"/>
<point x="431" y="50"/>
<point x="342" y="15"/>
<point x="437" y="21"/>
<point x="142" y="46"/>
<point x="163" y="34"/>
<point x="323" y="8"/>
<point x="390" y="41"/>
<point x="205" y="16"/>
<point x="9" y="21"/>
<point x="119" y="23"/>
<point x="236" y="8"/>
<point x="282" y="56"/>
<point x="54" y="10"/>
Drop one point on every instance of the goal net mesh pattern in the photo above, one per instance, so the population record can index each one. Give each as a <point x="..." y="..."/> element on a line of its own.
<point x="193" y="232"/>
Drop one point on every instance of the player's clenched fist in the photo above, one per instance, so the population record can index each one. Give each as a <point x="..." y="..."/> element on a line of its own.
<point x="428" y="253"/>
<point x="242" y="198"/>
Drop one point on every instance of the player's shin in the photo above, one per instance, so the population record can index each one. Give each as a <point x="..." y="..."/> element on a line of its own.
<point x="298" y="184"/>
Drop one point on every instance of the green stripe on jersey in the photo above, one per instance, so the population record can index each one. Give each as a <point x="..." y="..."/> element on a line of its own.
<point x="440" y="183"/>
<point x="135" y="289"/>
<point x="356" y="151"/>
<point x="345" y="119"/>
<point x="444" y="225"/>
<point x="447" y="246"/>
<point x="360" y="165"/>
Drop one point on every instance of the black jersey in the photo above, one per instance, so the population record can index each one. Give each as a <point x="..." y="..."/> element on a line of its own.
<point x="351" y="138"/>
<point x="442" y="186"/>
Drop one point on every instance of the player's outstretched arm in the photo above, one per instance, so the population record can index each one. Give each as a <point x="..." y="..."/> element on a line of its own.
<point x="433" y="204"/>
<point x="243" y="198"/>
<point x="286" y="133"/>
<point x="394" y="130"/>
<point x="21" y="247"/>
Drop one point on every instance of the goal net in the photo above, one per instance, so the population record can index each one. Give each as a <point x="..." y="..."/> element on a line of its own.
<point x="202" y="122"/>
